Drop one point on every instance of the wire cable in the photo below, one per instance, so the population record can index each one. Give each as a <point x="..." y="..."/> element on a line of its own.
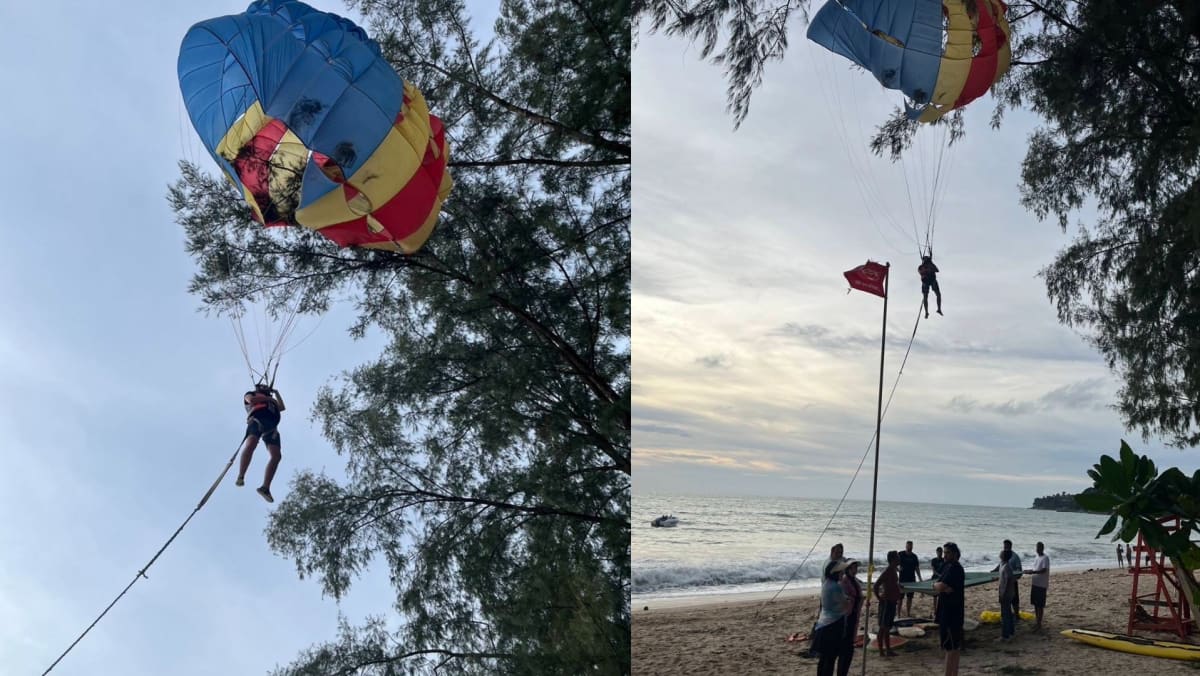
<point x="856" y="472"/>
<point x="142" y="573"/>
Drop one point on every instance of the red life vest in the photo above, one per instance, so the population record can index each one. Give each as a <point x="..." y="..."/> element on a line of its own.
<point x="256" y="401"/>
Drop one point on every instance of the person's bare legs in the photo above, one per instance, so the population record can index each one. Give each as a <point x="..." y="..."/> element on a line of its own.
<point x="951" y="663"/>
<point x="247" y="454"/>
<point x="269" y="475"/>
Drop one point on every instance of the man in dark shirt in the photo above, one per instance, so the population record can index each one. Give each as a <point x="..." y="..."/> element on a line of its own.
<point x="936" y="564"/>
<point x="928" y="272"/>
<point x="910" y="571"/>
<point x="951" y="606"/>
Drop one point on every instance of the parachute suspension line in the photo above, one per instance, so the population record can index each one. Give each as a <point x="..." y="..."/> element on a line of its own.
<point x="142" y="573"/>
<point x="275" y="356"/>
<point x="287" y="328"/>
<point x="912" y="214"/>
<point x="297" y="343"/>
<point x="866" y="453"/>
<point x="939" y="185"/>
<point x="868" y="190"/>
<point x="927" y="194"/>
<point x="262" y="329"/>
<point x="866" y="175"/>
<point x="239" y="334"/>
<point x="946" y="154"/>
<point x="186" y="150"/>
<point x="925" y="197"/>
<point x="235" y="320"/>
<point x="271" y="344"/>
<point x="285" y="331"/>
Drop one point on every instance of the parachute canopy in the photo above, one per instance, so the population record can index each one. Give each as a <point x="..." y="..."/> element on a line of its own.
<point x="304" y="115"/>
<point x="942" y="54"/>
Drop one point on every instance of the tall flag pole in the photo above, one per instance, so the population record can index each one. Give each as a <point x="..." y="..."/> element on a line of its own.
<point x="872" y="277"/>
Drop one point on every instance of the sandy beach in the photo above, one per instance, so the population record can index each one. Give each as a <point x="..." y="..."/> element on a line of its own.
<point x="746" y="637"/>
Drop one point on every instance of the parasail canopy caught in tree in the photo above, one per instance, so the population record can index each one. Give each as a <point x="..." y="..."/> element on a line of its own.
<point x="305" y="116"/>
<point x="942" y="54"/>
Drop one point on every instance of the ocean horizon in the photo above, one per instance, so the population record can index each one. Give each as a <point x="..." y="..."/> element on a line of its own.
<point x="727" y="545"/>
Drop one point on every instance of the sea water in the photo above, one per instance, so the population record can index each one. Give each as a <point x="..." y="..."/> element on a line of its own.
<point x="731" y="545"/>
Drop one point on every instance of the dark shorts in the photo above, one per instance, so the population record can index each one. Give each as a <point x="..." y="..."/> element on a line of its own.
<point x="264" y="424"/>
<point x="925" y="286"/>
<point x="1037" y="596"/>
<point x="887" y="613"/>
<point x="951" y="638"/>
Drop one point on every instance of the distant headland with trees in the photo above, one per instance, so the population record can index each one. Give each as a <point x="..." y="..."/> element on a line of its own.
<point x="1062" y="502"/>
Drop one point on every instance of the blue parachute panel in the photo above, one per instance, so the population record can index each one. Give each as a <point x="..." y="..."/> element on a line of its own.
<point x="853" y="28"/>
<point x="317" y="72"/>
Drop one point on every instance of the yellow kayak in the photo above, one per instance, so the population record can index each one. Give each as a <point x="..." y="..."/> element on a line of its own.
<point x="993" y="616"/>
<point x="1135" y="644"/>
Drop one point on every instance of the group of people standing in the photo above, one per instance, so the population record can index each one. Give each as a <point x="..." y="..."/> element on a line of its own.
<point x="902" y="566"/>
<point x="842" y="597"/>
<point x="1010" y="595"/>
<point x="832" y="639"/>
<point x="1128" y="560"/>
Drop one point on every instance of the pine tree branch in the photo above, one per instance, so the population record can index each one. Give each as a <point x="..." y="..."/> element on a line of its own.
<point x="452" y="654"/>
<point x="1056" y="17"/>
<point x="593" y="379"/>
<point x="1165" y="88"/>
<point x="591" y="21"/>
<point x="620" y="219"/>
<point x="538" y="161"/>
<point x="581" y="136"/>
<point x="537" y="510"/>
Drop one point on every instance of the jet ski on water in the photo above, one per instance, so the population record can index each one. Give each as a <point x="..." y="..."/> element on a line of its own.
<point x="665" y="521"/>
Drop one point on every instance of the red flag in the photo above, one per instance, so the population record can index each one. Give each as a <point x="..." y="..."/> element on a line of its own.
<point x="868" y="277"/>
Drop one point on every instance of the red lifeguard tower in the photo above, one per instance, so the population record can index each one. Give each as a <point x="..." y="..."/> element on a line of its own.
<point x="1165" y="607"/>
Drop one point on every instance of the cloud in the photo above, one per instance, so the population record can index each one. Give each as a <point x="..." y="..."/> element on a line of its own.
<point x="1080" y="396"/>
<point x="964" y="404"/>
<point x="655" y="282"/>
<point x="727" y="460"/>
<point x="749" y="349"/>
<point x="714" y="361"/>
<point x="1051" y="479"/>
<point x="824" y="338"/>
<point x="1085" y="394"/>
<point x="649" y="428"/>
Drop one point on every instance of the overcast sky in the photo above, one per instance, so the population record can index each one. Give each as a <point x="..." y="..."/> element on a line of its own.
<point x="121" y="403"/>
<point x="756" y="374"/>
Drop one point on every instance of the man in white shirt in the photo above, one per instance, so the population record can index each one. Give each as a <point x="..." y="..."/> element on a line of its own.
<point x="1039" y="583"/>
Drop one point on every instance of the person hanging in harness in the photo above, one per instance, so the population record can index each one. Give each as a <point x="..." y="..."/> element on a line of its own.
<point x="263" y="406"/>
<point x="928" y="272"/>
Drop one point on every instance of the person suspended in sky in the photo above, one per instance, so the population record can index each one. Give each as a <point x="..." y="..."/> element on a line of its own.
<point x="928" y="272"/>
<point x="263" y="406"/>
